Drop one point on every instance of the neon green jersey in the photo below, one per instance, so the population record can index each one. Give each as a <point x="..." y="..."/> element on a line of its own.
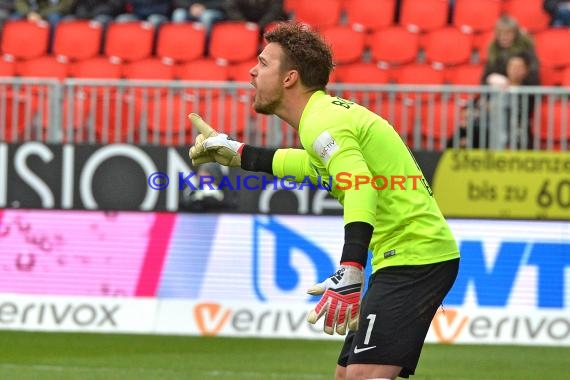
<point x="343" y="142"/>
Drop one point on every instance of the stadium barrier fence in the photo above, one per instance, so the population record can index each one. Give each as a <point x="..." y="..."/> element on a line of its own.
<point x="154" y="113"/>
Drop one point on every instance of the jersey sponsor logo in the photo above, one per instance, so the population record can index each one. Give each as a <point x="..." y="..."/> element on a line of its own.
<point x="325" y="146"/>
<point x="359" y="350"/>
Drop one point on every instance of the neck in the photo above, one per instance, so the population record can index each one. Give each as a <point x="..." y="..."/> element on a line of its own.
<point x="293" y="105"/>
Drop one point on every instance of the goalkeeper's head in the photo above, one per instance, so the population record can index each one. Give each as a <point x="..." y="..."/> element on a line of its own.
<point x="305" y="51"/>
<point x="295" y="62"/>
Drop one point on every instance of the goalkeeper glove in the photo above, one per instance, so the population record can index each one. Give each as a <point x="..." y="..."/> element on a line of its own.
<point x="211" y="146"/>
<point x="340" y="303"/>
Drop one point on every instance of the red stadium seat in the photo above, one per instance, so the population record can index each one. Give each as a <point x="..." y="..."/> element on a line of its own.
<point x="438" y="123"/>
<point x="97" y="68"/>
<point x="476" y="16"/>
<point x="424" y="15"/>
<point x="234" y="41"/>
<point x="116" y="118"/>
<point x="400" y="115"/>
<point x="129" y="41"/>
<point x="24" y="39"/>
<point x="18" y="111"/>
<point x="78" y="39"/>
<point x="529" y="14"/>
<point x="551" y="47"/>
<point x="362" y="73"/>
<point x="420" y="74"/>
<point x="481" y="43"/>
<point x="468" y="74"/>
<point x="7" y="66"/>
<point x="448" y="46"/>
<point x="371" y="14"/>
<point x="394" y="45"/>
<point x="47" y="67"/>
<point x="206" y="69"/>
<point x="181" y="42"/>
<point x="318" y="14"/>
<point x="565" y="81"/>
<point x="44" y="67"/>
<point x="167" y="120"/>
<point x="347" y="43"/>
<point x="149" y="69"/>
<point x="550" y="76"/>
<point x="554" y="123"/>
<point x="229" y="114"/>
<point x="239" y="72"/>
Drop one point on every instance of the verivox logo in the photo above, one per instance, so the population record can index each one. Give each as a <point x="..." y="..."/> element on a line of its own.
<point x="253" y="320"/>
<point x="501" y="325"/>
<point x="447" y="325"/>
<point x="210" y="318"/>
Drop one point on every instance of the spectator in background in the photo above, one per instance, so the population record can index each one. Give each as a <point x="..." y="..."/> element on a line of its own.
<point x="519" y="74"/>
<point x="261" y="12"/>
<point x="559" y="11"/>
<point x="206" y="12"/>
<point x="6" y="9"/>
<point x="468" y="133"/>
<point x="208" y="197"/>
<point x="509" y="40"/>
<point x="51" y="11"/>
<point x="102" y="11"/>
<point x="517" y="109"/>
<point x="154" y="11"/>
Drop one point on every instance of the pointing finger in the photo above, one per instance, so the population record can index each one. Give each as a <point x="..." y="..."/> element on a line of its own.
<point x="202" y="126"/>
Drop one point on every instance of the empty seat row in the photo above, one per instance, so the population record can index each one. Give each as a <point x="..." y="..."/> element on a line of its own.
<point x="419" y="15"/>
<point x="181" y="44"/>
<point x="130" y="41"/>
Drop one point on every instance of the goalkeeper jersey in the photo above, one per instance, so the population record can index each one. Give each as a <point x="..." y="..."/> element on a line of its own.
<point x="363" y="162"/>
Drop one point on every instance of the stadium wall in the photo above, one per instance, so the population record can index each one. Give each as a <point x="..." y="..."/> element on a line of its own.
<point x="87" y="245"/>
<point x="246" y="275"/>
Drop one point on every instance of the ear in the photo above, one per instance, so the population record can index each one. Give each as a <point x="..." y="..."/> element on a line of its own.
<point x="291" y="77"/>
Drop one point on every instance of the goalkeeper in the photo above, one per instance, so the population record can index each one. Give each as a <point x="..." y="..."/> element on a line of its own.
<point x="415" y="257"/>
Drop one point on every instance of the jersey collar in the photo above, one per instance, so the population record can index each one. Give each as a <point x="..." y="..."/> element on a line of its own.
<point x="312" y="100"/>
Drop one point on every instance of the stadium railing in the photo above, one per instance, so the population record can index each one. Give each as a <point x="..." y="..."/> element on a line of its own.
<point x="154" y="113"/>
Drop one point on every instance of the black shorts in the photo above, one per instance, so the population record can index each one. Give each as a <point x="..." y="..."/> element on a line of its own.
<point x="396" y="314"/>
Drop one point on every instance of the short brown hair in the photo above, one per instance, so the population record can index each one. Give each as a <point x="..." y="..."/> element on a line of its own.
<point x="305" y="51"/>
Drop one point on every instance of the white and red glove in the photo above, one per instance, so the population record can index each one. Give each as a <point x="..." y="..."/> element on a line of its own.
<point x="340" y="303"/>
<point x="211" y="146"/>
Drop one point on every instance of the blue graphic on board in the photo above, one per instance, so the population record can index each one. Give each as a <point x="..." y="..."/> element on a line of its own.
<point x="493" y="284"/>
<point x="280" y="272"/>
<point x="280" y="261"/>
